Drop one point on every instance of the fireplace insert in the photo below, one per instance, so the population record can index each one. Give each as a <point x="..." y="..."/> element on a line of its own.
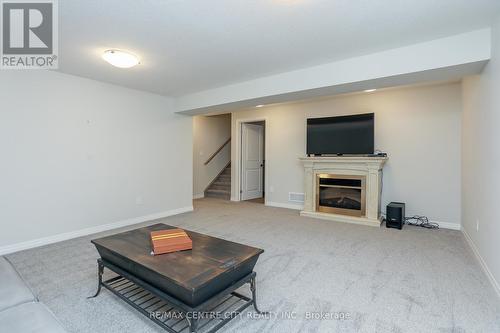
<point x="341" y="194"/>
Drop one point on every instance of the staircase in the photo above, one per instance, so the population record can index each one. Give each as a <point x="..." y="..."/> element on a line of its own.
<point x="221" y="186"/>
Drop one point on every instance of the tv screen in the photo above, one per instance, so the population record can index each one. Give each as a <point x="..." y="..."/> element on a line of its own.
<point x="341" y="135"/>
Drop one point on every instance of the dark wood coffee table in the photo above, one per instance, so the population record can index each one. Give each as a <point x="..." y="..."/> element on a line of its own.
<point x="182" y="291"/>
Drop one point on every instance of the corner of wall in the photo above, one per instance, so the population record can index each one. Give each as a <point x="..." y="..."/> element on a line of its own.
<point x="482" y="262"/>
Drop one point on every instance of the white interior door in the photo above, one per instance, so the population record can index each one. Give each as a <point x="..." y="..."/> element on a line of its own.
<point x="252" y="161"/>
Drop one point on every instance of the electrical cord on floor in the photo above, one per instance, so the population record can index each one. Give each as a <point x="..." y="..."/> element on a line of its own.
<point x="421" y="221"/>
<point x="415" y="220"/>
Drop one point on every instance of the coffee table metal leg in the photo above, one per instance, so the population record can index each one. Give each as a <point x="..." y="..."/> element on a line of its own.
<point x="253" y="288"/>
<point x="100" y="271"/>
<point x="193" y="324"/>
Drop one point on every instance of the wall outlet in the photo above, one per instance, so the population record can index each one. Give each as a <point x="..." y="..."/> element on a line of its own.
<point x="477" y="225"/>
<point x="138" y="200"/>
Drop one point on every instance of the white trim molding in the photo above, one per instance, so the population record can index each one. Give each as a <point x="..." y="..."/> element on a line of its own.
<point x="285" y="205"/>
<point x="89" y="231"/>
<point x="198" y="196"/>
<point x="236" y="157"/>
<point x="442" y="225"/>
<point x="484" y="266"/>
<point x="448" y="225"/>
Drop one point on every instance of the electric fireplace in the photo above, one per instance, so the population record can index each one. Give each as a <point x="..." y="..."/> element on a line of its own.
<point x="341" y="194"/>
<point x="343" y="188"/>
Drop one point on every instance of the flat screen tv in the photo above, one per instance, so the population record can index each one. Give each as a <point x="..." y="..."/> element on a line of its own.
<point x="350" y="135"/>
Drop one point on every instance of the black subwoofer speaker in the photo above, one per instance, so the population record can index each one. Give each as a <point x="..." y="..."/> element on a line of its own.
<point x="395" y="215"/>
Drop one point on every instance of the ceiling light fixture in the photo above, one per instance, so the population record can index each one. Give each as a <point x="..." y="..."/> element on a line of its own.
<point x="259" y="106"/>
<point x="370" y="90"/>
<point x="121" y="59"/>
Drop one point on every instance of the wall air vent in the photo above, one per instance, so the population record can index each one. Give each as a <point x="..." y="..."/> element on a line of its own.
<point x="296" y="197"/>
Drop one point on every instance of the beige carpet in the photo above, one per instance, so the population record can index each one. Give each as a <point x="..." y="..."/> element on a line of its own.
<point x="366" y="279"/>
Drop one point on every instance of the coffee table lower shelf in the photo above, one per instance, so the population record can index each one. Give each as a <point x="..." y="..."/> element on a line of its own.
<point x="172" y="314"/>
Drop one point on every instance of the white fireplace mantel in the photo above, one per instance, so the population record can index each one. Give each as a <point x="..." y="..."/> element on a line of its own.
<point x="368" y="167"/>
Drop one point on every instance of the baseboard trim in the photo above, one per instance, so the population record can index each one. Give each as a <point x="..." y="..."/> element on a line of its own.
<point x="89" y="231"/>
<point x="285" y="205"/>
<point x="443" y="225"/>
<point x="198" y="196"/>
<point x="448" y="225"/>
<point x="484" y="266"/>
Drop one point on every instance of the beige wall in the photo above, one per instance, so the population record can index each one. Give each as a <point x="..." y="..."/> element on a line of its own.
<point x="481" y="161"/>
<point x="78" y="155"/>
<point x="209" y="133"/>
<point x="419" y="127"/>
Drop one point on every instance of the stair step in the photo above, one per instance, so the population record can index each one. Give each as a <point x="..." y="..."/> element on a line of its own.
<point x="221" y="184"/>
<point x="222" y="194"/>
<point x="220" y="187"/>
<point x="213" y="191"/>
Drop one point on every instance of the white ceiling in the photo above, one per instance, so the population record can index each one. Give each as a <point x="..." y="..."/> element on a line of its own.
<point x="187" y="46"/>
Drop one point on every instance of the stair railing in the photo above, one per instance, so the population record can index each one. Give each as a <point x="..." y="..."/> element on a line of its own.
<point x="217" y="151"/>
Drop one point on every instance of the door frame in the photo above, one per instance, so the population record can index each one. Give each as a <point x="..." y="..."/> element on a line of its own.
<point x="236" y="195"/>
